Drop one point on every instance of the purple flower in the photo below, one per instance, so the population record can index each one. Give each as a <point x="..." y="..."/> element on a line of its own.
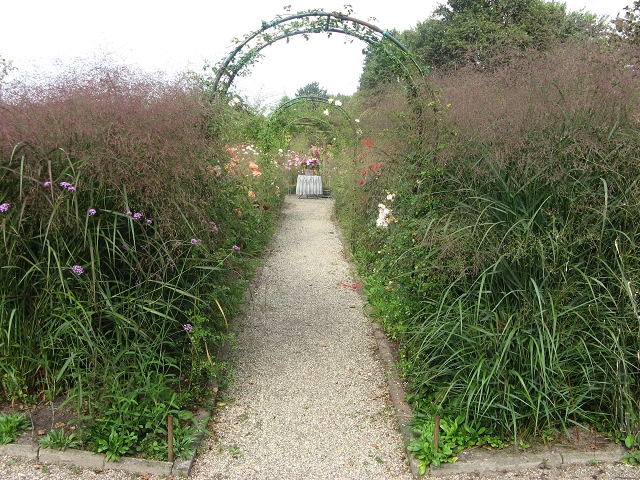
<point x="46" y="184"/>
<point x="236" y="248"/>
<point x="137" y="216"/>
<point x="68" y="186"/>
<point x="92" y="212"/>
<point x="187" y="327"/>
<point x="128" y="214"/>
<point x="214" y="227"/>
<point x="196" y="241"/>
<point x="149" y="221"/>
<point x="77" y="269"/>
<point x="4" y="207"/>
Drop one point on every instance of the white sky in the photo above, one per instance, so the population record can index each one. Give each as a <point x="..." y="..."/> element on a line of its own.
<point x="176" y="36"/>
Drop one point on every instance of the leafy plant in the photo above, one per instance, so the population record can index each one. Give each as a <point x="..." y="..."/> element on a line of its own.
<point x="58" y="440"/>
<point x="11" y="425"/>
<point x="119" y="442"/>
<point x="455" y="435"/>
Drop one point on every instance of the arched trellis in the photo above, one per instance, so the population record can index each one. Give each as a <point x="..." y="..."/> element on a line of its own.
<point x="306" y="23"/>
<point x="308" y="121"/>
<point x="320" y="100"/>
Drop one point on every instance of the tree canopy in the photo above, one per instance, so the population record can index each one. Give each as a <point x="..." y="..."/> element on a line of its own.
<point x="312" y="89"/>
<point x="629" y="25"/>
<point x="484" y="33"/>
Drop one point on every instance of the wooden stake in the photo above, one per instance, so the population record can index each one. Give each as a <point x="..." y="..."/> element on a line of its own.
<point x="170" y="437"/>
<point x="436" y="433"/>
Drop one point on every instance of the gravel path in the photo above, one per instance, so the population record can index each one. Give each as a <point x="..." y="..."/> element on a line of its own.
<point x="310" y="397"/>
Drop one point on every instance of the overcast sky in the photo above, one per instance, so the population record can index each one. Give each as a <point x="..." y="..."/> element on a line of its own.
<point x="173" y="37"/>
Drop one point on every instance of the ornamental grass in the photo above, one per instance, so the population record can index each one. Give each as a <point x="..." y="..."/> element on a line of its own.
<point x="511" y="272"/>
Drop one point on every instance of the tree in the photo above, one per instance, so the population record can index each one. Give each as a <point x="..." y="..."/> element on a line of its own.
<point x="481" y="30"/>
<point x="5" y="67"/>
<point x="379" y="67"/>
<point x="312" y="90"/>
<point x="629" y="26"/>
<point x="485" y="33"/>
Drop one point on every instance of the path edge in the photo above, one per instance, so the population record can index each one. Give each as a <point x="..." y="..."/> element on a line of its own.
<point x="388" y="354"/>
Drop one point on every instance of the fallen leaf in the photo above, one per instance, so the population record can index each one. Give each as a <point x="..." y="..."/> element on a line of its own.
<point x="221" y="404"/>
<point x="42" y="432"/>
<point x="60" y="425"/>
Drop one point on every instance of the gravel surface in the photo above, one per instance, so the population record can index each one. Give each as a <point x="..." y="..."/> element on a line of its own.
<point x="310" y="397"/>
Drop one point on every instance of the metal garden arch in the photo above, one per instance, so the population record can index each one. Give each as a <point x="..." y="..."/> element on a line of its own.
<point x="247" y="52"/>
<point x="290" y="103"/>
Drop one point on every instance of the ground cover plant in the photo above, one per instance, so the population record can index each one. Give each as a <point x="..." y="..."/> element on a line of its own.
<point x="132" y="213"/>
<point x="500" y="248"/>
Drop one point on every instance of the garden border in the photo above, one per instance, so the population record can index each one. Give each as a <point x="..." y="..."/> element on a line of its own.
<point x="71" y="457"/>
<point x="501" y="460"/>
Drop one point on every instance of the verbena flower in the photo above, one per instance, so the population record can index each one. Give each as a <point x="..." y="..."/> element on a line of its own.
<point x="77" y="269"/>
<point x="187" y="327"/>
<point x="149" y="221"/>
<point x="66" y="185"/>
<point x="128" y="214"/>
<point x="196" y="241"/>
<point x="236" y="248"/>
<point x="4" y="207"/>
<point x="137" y="216"/>
<point x="92" y="212"/>
<point x="46" y="184"/>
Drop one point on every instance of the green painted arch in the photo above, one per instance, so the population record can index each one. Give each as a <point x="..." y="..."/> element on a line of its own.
<point x="309" y="119"/>
<point x="307" y="23"/>
<point x="320" y="100"/>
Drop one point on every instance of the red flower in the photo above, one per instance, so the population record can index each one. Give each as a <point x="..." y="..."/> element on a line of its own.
<point x="361" y="182"/>
<point x="374" y="167"/>
<point x="365" y="198"/>
<point x="367" y="142"/>
<point x="265" y="207"/>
